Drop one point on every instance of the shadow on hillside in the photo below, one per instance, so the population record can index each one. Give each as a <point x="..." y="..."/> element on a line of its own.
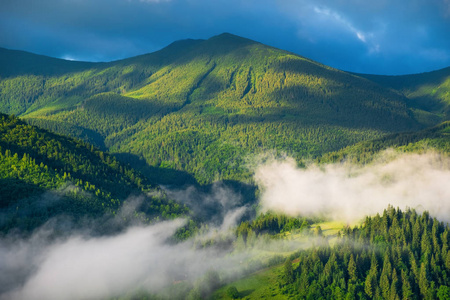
<point x="18" y="63"/>
<point x="377" y="86"/>
<point x="63" y="128"/>
<point x="220" y="203"/>
<point x="13" y="189"/>
<point x="246" y="293"/>
<point x="157" y="176"/>
<point x="127" y="108"/>
<point x="341" y="109"/>
<point x="210" y="202"/>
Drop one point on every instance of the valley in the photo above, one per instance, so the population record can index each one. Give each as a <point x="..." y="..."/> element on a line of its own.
<point x="221" y="168"/>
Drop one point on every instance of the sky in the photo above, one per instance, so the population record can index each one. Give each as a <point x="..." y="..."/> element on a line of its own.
<point x="389" y="37"/>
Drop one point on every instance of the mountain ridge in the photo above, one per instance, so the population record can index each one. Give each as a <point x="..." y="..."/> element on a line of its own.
<point x="203" y="106"/>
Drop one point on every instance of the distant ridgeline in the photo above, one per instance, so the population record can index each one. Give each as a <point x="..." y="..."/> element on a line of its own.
<point x="201" y="107"/>
<point x="44" y="175"/>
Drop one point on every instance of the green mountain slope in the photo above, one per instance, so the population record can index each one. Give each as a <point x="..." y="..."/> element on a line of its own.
<point x="44" y="175"/>
<point x="202" y="106"/>
<point x="427" y="91"/>
<point x="436" y="138"/>
<point x="396" y="255"/>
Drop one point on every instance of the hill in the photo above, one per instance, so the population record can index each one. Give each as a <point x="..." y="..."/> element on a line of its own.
<point x="396" y="255"/>
<point x="204" y="106"/>
<point x="436" y="138"/>
<point x="428" y="91"/>
<point x="44" y="175"/>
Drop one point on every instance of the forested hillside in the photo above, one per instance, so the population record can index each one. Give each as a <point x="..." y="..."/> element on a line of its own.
<point x="428" y="91"/>
<point x="399" y="255"/>
<point x="44" y="175"/>
<point x="436" y="138"/>
<point x="395" y="255"/>
<point x="205" y="106"/>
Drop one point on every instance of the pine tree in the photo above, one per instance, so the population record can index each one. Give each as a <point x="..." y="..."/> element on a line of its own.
<point x="288" y="272"/>
<point x="384" y="285"/>
<point x="393" y="294"/>
<point x="406" y="286"/>
<point x="423" y="280"/>
<point x="352" y="270"/>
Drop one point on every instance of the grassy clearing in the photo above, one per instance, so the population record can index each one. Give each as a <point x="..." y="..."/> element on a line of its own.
<point x="263" y="284"/>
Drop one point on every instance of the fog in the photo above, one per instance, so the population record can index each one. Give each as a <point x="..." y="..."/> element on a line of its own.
<point x="218" y="204"/>
<point x="83" y="265"/>
<point x="80" y="267"/>
<point x="142" y="258"/>
<point x="348" y="192"/>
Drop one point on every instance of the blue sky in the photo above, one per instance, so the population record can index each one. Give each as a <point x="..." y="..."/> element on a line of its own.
<point x="378" y="36"/>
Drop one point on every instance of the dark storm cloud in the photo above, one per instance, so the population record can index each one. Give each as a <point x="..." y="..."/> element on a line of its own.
<point x="391" y="37"/>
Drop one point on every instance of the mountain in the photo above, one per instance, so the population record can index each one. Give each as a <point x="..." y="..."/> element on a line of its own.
<point x="44" y="175"/>
<point x="436" y="138"/>
<point x="206" y="107"/>
<point x="428" y="91"/>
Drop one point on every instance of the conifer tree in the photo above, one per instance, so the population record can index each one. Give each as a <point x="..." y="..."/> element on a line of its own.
<point x="352" y="269"/>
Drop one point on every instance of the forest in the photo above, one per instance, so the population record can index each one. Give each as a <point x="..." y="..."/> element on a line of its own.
<point x="396" y="255"/>
<point x="86" y="181"/>
<point x="207" y="107"/>
<point x="154" y="160"/>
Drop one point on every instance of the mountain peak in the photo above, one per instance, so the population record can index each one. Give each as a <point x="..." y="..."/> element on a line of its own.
<point x="231" y="39"/>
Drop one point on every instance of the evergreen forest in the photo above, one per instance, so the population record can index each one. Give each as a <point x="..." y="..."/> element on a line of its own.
<point x="170" y="143"/>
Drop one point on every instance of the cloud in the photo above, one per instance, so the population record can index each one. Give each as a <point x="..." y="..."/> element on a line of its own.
<point x="335" y="17"/>
<point x="370" y="37"/>
<point x="217" y="204"/>
<point x="82" y="267"/>
<point x="131" y="257"/>
<point x="142" y="258"/>
<point x="348" y="192"/>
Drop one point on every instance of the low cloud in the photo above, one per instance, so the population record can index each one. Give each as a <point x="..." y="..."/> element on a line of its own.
<point x="348" y="192"/>
<point x="218" y="204"/>
<point x="80" y="267"/>
<point x="144" y="258"/>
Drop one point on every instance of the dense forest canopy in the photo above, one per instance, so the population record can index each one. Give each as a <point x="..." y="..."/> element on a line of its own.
<point x="204" y="106"/>
<point x="175" y="135"/>
<point x="83" y="181"/>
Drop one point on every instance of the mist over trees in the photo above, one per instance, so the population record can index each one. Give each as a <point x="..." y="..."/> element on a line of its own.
<point x="168" y="176"/>
<point x="396" y="255"/>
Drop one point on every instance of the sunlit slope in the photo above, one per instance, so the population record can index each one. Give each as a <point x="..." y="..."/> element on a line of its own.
<point x="43" y="175"/>
<point x="428" y="91"/>
<point x="32" y="82"/>
<point x="203" y="106"/>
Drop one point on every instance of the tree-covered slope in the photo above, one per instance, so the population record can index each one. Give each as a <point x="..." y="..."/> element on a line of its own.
<point x="428" y="91"/>
<point x="436" y="138"/>
<point x="44" y="175"/>
<point x="202" y="106"/>
<point x="396" y="255"/>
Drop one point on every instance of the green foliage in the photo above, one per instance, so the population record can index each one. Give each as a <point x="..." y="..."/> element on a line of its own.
<point x="232" y="292"/>
<point x="426" y="91"/>
<point x="436" y="138"/>
<point x="205" y="286"/>
<point x="271" y="223"/>
<point x="288" y="272"/>
<point x="43" y="175"/>
<point x="203" y="107"/>
<point x="357" y="266"/>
